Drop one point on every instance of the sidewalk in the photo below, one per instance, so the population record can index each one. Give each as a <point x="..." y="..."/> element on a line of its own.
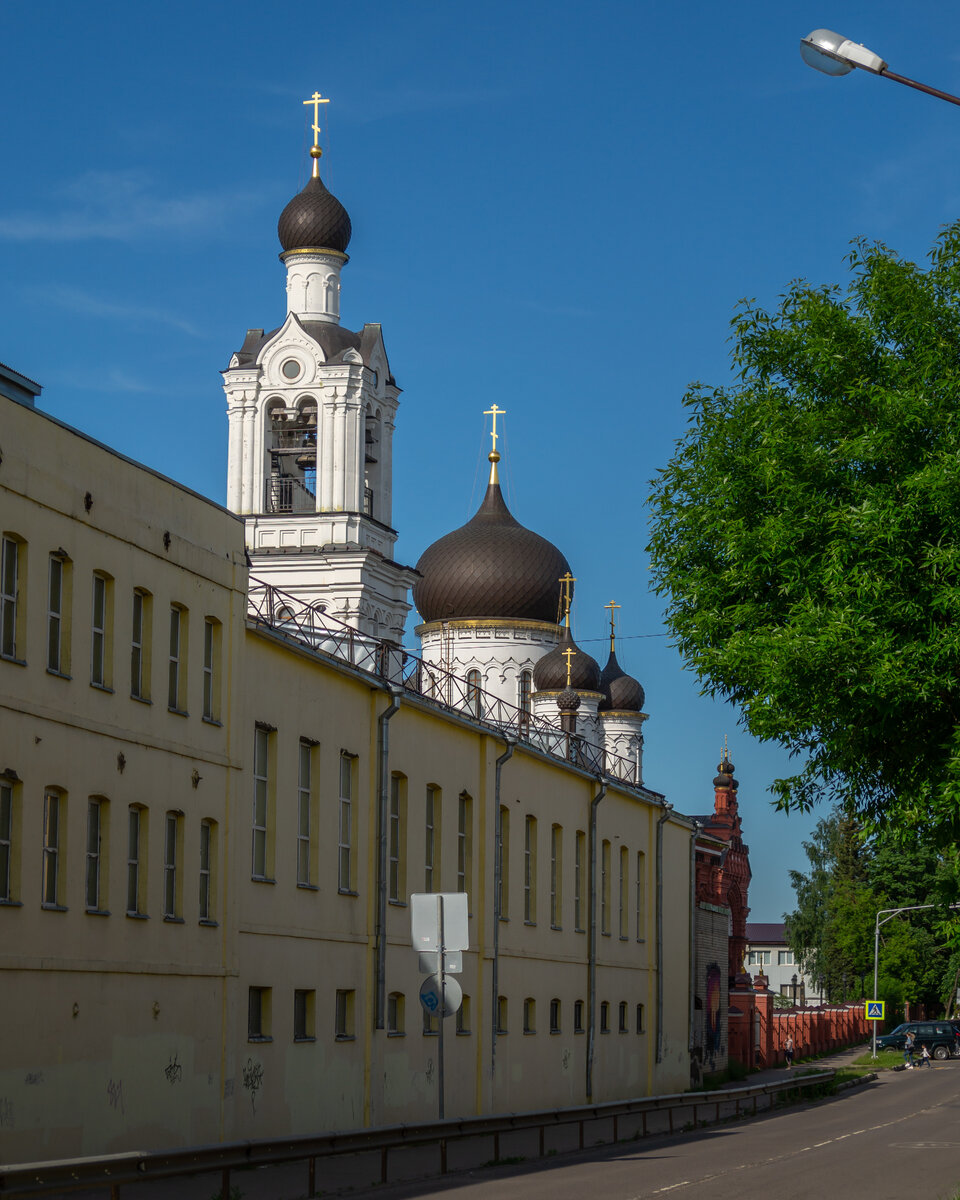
<point x="834" y="1062"/>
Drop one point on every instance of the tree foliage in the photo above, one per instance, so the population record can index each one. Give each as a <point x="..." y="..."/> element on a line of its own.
<point x="807" y="535"/>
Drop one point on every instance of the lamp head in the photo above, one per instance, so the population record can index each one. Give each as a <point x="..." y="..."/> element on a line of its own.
<point x="833" y="54"/>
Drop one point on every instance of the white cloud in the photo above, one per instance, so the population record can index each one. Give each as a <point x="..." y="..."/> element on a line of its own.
<point x="78" y="301"/>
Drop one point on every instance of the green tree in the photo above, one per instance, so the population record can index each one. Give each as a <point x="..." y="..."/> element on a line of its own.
<point x="807" y="535"/>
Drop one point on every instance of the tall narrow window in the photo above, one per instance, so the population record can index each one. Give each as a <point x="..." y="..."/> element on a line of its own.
<point x="304" y="1019"/>
<point x="529" y="1015"/>
<point x="604" y="1016"/>
<point x="58" y="623"/>
<point x="641" y="891"/>
<point x="395" y="1014"/>
<point x="208" y="851"/>
<point x="578" y="1016"/>
<point x="396" y="882"/>
<point x="524" y="689"/>
<point x="258" y="1014"/>
<point x="605" y="888"/>
<point x="96" y="814"/>
<point x="556" y="875"/>
<point x="344" y="1015"/>
<point x="345" y="828"/>
<point x="580" y="850"/>
<point x="622" y="897"/>
<point x="53" y="805"/>
<point x="6" y="841"/>
<point x="140" y="646"/>
<point x="136" y="860"/>
<point x="530" y="870"/>
<point x="474" y="705"/>
<point x="463" y="1016"/>
<point x="177" y="660"/>
<point x="11" y="608"/>
<point x="172" y="854"/>
<point x="261" y="800"/>
<point x="304" y="799"/>
<point x="211" y="669"/>
<point x="98" y="633"/>
<point x="431" y="849"/>
<point x="554" y="1016"/>
<point x="503" y="883"/>
<point x="464" y="842"/>
<point x="622" y="1027"/>
<point x="501" y="1014"/>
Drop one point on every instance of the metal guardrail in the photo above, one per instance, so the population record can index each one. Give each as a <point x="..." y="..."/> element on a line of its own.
<point x="310" y="625"/>
<point x="69" y="1176"/>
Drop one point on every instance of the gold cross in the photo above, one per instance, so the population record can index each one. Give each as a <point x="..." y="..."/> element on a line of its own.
<point x="566" y="581"/>
<point x="613" y="606"/>
<point x="725" y="758"/>
<point x="568" y="654"/>
<point x="494" y="412"/>
<point x="316" y="100"/>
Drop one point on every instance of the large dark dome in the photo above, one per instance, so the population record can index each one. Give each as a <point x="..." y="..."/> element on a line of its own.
<point x="621" y="692"/>
<point x="490" y="567"/>
<point x="314" y="220"/>
<point x="550" y="673"/>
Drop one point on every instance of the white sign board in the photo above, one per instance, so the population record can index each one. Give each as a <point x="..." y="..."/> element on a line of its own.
<point x="444" y="1005"/>
<point x="430" y="962"/>
<point x="426" y="909"/>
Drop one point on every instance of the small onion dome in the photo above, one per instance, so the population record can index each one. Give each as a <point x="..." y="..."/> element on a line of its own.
<point x="490" y="567"/>
<point x="725" y="779"/>
<point x="550" y="673"/>
<point x="621" y="692"/>
<point x="314" y="220"/>
<point x="568" y="700"/>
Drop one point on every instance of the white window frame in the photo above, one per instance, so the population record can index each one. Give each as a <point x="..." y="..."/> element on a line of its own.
<point x="98" y="631"/>
<point x="345" y="882"/>
<point x="6" y="842"/>
<point x="261" y="802"/>
<point x="95" y="809"/>
<point x="52" y="828"/>
<point x="55" y="614"/>
<point x="304" y="797"/>
<point x="9" y="596"/>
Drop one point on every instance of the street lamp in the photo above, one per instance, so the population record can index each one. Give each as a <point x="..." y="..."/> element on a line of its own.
<point x="833" y="54"/>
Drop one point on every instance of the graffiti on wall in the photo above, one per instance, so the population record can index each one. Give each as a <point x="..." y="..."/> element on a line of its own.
<point x="713" y="1029"/>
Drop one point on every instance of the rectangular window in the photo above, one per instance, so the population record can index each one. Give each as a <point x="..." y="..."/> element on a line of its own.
<point x="395" y="1016"/>
<point x="101" y="621"/>
<point x="578" y="875"/>
<point x="578" y="1016"/>
<point x="431" y="1024"/>
<point x="503" y="883"/>
<point x="501" y="1014"/>
<point x="622" y="898"/>
<point x="785" y="958"/>
<point x="304" y="1016"/>
<point x="605" y="888"/>
<point x="177" y="661"/>
<point x="261" y="801"/>
<point x="463" y="1016"/>
<point x="640" y="1025"/>
<point x="604" y="1016"/>
<point x="530" y="870"/>
<point x="58" y="658"/>
<point x="140" y="646"/>
<point x="136" y="872"/>
<point x="304" y="798"/>
<point x="211" y="669"/>
<point x="464" y="842"/>
<point x="96" y="812"/>
<point x="11" y="613"/>
<point x="344" y="1016"/>
<point x="529" y="1015"/>
<point x="258" y="1014"/>
<point x="396" y="883"/>
<point x="208" y="850"/>
<point x="556" y="877"/>
<point x="6" y="841"/>
<point x="623" y="1017"/>
<point x="554" y="1016"/>
<point x="431" y="849"/>
<point x="345" y="825"/>
<point x="53" y="814"/>
<point x="172" y="853"/>
<point x="641" y="893"/>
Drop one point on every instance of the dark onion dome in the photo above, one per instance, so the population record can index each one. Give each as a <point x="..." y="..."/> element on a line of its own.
<point x="490" y="567"/>
<point x="550" y="673"/>
<point x="621" y="692"/>
<point x="314" y="220"/>
<point x="725" y="777"/>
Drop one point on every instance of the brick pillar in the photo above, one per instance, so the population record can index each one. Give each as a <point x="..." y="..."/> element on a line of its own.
<point x="763" y="1030"/>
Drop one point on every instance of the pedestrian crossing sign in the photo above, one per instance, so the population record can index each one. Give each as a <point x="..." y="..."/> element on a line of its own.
<point x="875" y="1010"/>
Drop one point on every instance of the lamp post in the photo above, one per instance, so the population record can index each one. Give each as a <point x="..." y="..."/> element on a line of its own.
<point x="833" y="54"/>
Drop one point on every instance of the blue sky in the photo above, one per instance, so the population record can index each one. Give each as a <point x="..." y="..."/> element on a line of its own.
<point x="555" y="207"/>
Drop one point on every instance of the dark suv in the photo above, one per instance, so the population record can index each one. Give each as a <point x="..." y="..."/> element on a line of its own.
<point x="941" y="1038"/>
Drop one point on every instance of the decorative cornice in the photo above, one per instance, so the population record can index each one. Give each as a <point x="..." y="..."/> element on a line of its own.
<point x="519" y="623"/>
<point x="316" y="251"/>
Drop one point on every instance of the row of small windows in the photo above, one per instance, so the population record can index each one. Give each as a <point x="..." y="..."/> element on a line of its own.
<point x="260" y="1016"/>
<point x="97" y="872"/>
<point x="762" y="958"/>
<point x="13" y="609"/>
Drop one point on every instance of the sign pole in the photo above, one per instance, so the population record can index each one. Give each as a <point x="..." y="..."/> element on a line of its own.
<point x="441" y="1011"/>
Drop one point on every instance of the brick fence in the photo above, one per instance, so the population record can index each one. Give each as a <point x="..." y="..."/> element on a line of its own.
<point x="758" y="1031"/>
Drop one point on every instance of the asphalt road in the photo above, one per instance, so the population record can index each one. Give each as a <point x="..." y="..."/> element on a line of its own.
<point x="897" y="1139"/>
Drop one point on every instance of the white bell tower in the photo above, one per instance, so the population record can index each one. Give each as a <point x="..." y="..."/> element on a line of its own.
<point x="311" y="409"/>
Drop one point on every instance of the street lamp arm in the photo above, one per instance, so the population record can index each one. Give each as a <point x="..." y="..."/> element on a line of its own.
<point x="920" y="87"/>
<point x="833" y="54"/>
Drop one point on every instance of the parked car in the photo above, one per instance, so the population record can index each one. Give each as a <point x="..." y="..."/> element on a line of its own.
<point x="942" y="1038"/>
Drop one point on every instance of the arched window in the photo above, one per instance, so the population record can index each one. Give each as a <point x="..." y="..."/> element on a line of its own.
<point x="473" y="694"/>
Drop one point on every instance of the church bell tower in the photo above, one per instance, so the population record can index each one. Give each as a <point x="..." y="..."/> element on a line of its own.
<point x="311" y="409"/>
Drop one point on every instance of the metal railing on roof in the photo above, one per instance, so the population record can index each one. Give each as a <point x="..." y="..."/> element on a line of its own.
<point x="311" y="626"/>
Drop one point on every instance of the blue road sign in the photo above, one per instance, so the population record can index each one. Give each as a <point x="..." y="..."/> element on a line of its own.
<point x="875" y="1010"/>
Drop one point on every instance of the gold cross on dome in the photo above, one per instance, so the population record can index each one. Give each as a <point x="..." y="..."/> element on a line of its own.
<point x="494" y="412"/>
<point x="725" y="757"/>
<point x="568" y="654"/>
<point x="566" y="581"/>
<point x="613" y="606"/>
<point x="316" y="100"/>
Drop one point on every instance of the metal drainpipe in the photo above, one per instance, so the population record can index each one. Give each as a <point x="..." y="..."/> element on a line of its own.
<point x="667" y="810"/>
<point x="383" y="771"/>
<point x="592" y="946"/>
<point x="497" y="872"/>
<point x="693" y="928"/>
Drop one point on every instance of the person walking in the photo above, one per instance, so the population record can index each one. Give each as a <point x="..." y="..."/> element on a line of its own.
<point x="925" y="1056"/>
<point x="788" y="1051"/>
<point x="908" y="1046"/>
